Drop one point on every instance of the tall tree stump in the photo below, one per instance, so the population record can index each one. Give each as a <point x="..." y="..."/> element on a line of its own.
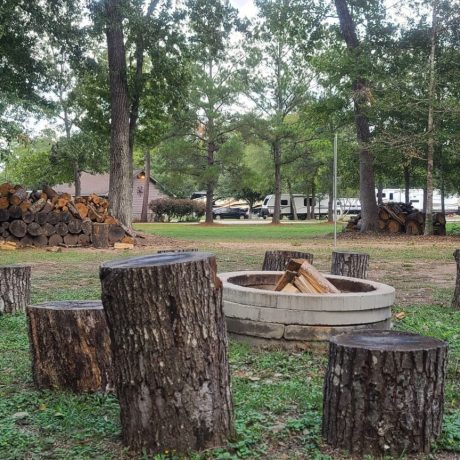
<point x="169" y="346"/>
<point x="384" y="392"/>
<point x="456" y="298"/>
<point x="14" y="288"/>
<point x="100" y="235"/>
<point x="70" y="346"/>
<point x="277" y="260"/>
<point x="352" y="264"/>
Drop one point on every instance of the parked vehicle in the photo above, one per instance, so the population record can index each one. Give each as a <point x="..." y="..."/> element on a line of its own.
<point x="302" y="202"/>
<point x="229" y="213"/>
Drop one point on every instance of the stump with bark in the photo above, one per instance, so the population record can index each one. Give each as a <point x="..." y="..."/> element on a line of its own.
<point x="278" y="260"/>
<point x="352" y="264"/>
<point x="100" y="235"/>
<point x="456" y="298"/>
<point x="169" y="346"/>
<point x="70" y="346"/>
<point x="384" y="392"/>
<point x="14" y="288"/>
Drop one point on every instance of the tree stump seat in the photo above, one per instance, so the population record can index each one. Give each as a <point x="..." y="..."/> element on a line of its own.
<point x="352" y="264"/>
<point x="384" y="392"/>
<point x="70" y="346"/>
<point x="169" y="346"/>
<point x="14" y="288"/>
<point x="277" y="260"/>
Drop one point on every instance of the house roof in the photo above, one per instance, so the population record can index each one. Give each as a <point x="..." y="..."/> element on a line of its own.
<point x="94" y="183"/>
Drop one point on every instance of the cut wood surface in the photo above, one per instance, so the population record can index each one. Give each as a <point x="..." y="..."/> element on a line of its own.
<point x="384" y="393"/>
<point x="167" y="326"/>
<point x="316" y="279"/>
<point x="70" y="346"/>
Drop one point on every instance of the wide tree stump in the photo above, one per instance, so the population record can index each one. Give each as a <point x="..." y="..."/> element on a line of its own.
<point x="169" y="346"/>
<point x="277" y="260"/>
<point x="352" y="264"/>
<point x="70" y="346"/>
<point x="14" y="288"/>
<point x="384" y="392"/>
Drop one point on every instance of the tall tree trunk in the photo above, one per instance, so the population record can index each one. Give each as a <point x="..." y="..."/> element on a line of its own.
<point x="293" y="206"/>
<point x="443" y="184"/>
<point x="210" y="183"/>
<point x="380" y="194"/>
<point x="313" y="199"/>
<point x="369" y="210"/>
<point x="277" y="161"/>
<point x="145" y="198"/>
<point x="430" y="129"/>
<point x="407" y="184"/>
<point x="121" y="165"/>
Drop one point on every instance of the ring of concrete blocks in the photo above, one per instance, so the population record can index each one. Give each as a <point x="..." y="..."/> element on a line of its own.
<point x="253" y="310"/>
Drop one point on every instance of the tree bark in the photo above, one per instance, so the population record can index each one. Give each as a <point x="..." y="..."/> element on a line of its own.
<point x="293" y="206"/>
<point x="456" y="298"/>
<point x="70" y="346"/>
<point x="428" y="230"/>
<point x="361" y="91"/>
<point x="100" y="235"/>
<point x="277" y="260"/>
<point x="14" y="288"/>
<point x="352" y="264"/>
<point x="121" y="164"/>
<point x="384" y="393"/>
<point x="169" y="346"/>
<point x="407" y="184"/>
<point x="277" y="162"/>
<point x="145" y="197"/>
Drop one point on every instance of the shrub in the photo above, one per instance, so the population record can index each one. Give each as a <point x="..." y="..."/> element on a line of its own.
<point x="180" y="209"/>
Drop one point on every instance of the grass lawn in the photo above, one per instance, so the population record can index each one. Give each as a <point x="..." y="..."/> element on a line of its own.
<point x="277" y="395"/>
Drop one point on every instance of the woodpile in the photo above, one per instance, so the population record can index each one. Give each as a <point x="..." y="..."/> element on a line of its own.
<point x="301" y="277"/>
<point x="402" y="218"/>
<point x="47" y="218"/>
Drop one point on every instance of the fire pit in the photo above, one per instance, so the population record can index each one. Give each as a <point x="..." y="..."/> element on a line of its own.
<point x="257" y="314"/>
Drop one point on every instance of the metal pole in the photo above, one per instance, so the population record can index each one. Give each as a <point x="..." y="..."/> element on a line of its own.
<point x="335" y="189"/>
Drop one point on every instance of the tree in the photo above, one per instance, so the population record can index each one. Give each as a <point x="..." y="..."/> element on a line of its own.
<point x="361" y="94"/>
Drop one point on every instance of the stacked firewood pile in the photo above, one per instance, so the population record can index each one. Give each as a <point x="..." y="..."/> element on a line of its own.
<point x="48" y="218"/>
<point x="402" y="218"/>
<point x="301" y="277"/>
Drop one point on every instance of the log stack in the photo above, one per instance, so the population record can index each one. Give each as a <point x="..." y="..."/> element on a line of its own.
<point x="402" y="218"/>
<point x="48" y="218"/>
<point x="301" y="277"/>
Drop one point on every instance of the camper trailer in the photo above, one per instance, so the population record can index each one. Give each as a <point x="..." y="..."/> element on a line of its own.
<point x="301" y="203"/>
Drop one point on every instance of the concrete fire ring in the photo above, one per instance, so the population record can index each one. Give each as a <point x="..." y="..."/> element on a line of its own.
<point x="258" y="315"/>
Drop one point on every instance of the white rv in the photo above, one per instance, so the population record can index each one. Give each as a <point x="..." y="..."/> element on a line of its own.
<point x="416" y="196"/>
<point x="301" y="202"/>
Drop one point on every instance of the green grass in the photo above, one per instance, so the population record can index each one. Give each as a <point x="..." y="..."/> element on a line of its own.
<point x="242" y="232"/>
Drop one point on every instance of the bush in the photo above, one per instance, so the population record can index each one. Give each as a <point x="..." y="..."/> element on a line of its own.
<point x="180" y="209"/>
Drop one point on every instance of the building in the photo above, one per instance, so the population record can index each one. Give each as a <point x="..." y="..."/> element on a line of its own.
<point x="99" y="184"/>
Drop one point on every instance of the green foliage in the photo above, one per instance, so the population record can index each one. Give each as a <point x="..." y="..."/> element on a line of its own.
<point x="180" y="209"/>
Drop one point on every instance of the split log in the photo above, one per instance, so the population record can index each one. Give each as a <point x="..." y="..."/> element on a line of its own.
<point x="54" y="217"/>
<point x="50" y="193"/>
<point x="278" y="260"/>
<point x="4" y="202"/>
<point x="82" y="210"/>
<point x="28" y="217"/>
<point x="14" y="288"/>
<point x="5" y="188"/>
<point x="74" y="226"/>
<point x="70" y="346"/>
<point x="55" y="240"/>
<point x="383" y="214"/>
<point x="352" y="264"/>
<point x="25" y="206"/>
<point x="413" y="228"/>
<point x="34" y="229"/>
<point x="18" y="228"/>
<point x="15" y="212"/>
<point x="100" y="235"/>
<point x="19" y="195"/>
<point x="393" y="226"/>
<point x="71" y="240"/>
<point x="38" y="205"/>
<point x="316" y="280"/>
<point x="61" y="228"/>
<point x="384" y="393"/>
<point x="4" y="215"/>
<point x="176" y="333"/>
